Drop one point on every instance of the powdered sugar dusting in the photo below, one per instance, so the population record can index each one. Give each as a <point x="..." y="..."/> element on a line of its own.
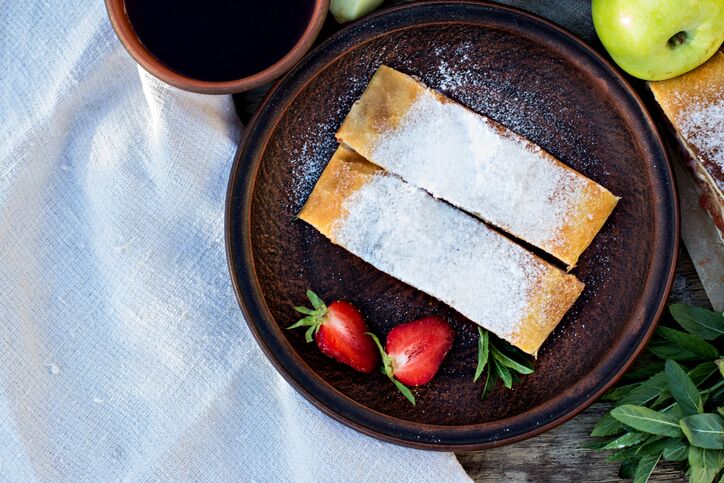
<point x="442" y="251"/>
<point x="462" y="157"/>
<point x="703" y="126"/>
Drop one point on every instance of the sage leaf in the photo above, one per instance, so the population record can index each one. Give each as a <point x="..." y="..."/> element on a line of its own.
<point x="510" y="363"/>
<point x="720" y="365"/>
<point x="677" y="450"/>
<point x="619" y="392"/>
<point x="704" y="430"/>
<point x="683" y="389"/>
<point x="504" y="374"/>
<point x="702" y="372"/>
<point x="607" y="426"/>
<point x="665" y="350"/>
<point x="647" y="390"/>
<point x="647" y="420"/>
<point x="689" y="342"/>
<point x="645" y="468"/>
<point x="704" y="463"/>
<point x="482" y="352"/>
<point x="698" y="321"/>
<point x="628" y="439"/>
<point x="628" y="468"/>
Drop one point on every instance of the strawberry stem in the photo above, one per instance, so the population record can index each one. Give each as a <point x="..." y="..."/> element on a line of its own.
<point x="314" y="317"/>
<point x="389" y="371"/>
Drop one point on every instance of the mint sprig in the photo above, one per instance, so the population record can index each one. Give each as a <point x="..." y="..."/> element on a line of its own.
<point x="671" y="408"/>
<point x="500" y="361"/>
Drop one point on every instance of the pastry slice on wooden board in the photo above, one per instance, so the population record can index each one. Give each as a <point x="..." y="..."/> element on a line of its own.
<point x="452" y="256"/>
<point x="475" y="164"/>
<point x="694" y="104"/>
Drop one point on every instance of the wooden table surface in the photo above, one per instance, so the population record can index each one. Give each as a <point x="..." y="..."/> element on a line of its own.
<point x="557" y="455"/>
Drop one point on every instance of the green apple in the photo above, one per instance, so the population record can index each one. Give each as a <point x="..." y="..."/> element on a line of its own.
<point x="346" y="10"/>
<point x="659" y="39"/>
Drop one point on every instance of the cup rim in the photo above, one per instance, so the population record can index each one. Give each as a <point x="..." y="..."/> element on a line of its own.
<point x="123" y="28"/>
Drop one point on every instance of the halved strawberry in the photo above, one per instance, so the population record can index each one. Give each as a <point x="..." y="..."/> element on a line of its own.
<point x="340" y="332"/>
<point x="414" y="352"/>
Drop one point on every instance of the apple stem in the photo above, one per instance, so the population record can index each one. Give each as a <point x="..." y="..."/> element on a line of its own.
<point x="677" y="39"/>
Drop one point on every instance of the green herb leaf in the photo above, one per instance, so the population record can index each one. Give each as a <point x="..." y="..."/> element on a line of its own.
<point x="628" y="468"/>
<point x="645" y="371"/>
<point x="622" y="455"/>
<point x="386" y="360"/>
<point x="704" y="430"/>
<point x="504" y="374"/>
<point x="315" y="300"/>
<point x="689" y="342"/>
<point x="619" y="392"/>
<point x="607" y="426"/>
<point x="702" y="372"/>
<point x="482" y="352"/>
<point x="628" y="439"/>
<point x="645" y="468"/>
<point x="676" y="451"/>
<point x="404" y="390"/>
<point x="720" y="365"/>
<point x="305" y="310"/>
<point x="698" y="321"/>
<point x="704" y="463"/>
<point x="647" y="420"/>
<point x="309" y="335"/>
<point x="664" y="349"/>
<point x="490" y="380"/>
<point x="510" y="363"/>
<point x="683" y="389"/>
<point x="647" y="390"/>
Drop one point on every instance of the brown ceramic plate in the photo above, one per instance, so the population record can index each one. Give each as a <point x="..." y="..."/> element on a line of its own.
<point x="527" y="74"/>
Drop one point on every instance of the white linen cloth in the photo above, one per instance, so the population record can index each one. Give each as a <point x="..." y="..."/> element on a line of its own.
<point x="123" y="353"/>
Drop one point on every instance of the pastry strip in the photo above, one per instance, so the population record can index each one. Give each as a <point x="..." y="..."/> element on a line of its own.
<point x="475" y="164"/>
<point x="403" y="231"/>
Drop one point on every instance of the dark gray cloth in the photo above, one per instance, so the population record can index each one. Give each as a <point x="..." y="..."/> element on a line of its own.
<point x="574" y="15"/>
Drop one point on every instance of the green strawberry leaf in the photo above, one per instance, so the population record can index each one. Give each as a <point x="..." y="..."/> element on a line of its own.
<point x="689" y="342"/>
<point x="483" y="352"/>
<point x="316" y="301"/>
<point x="647" y="420"/>
<point x="704" y="430"/>
<point x="698" y="321"/>
<point x="683" y="389"/>
<point x="404" y="390"/>
<point x="305" y="310"/>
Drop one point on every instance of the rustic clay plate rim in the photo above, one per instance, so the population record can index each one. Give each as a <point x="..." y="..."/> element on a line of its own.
<point x="336" y="404"/>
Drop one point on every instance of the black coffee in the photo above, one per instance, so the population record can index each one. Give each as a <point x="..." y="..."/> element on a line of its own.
<point x="219" y="40"/>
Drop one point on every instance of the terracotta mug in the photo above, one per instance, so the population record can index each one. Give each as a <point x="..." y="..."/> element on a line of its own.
<point x="122" y="25"/>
